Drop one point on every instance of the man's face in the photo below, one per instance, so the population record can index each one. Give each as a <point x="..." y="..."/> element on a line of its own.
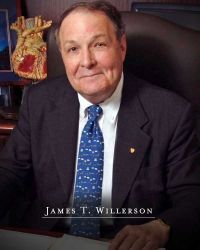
<point x="92" y="54"/>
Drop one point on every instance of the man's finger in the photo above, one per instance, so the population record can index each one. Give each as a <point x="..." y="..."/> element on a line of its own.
<point x="139" y="243"/>
<point x="117" y="240"/>
<point x="128" y="242"/>
<point x="151" y="246"/>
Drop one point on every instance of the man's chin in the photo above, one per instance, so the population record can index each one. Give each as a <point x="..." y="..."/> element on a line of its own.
<point x="92" y="87"/>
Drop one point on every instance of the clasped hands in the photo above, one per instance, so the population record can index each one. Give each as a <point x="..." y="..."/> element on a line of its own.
<point x="149" y="236"/>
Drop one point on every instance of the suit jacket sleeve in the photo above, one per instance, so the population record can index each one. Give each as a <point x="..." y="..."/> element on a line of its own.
<point x="15" y="161"/>
<point x="183" y="183"/>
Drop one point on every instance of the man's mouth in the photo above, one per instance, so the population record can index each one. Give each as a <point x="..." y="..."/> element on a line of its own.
<point x="90" y="75"/>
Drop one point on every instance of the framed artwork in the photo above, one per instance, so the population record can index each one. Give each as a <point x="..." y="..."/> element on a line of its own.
<point x="187" y="15"/>
<point x="9" y="10"/>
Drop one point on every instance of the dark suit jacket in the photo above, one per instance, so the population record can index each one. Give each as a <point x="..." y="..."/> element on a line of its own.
<point x="163" y="173"/>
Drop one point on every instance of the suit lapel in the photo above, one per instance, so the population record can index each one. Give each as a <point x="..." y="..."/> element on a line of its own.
<point x="131" y="143"/>
<point x="63" y="130"/>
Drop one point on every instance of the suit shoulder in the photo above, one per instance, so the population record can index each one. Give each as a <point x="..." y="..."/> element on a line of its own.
<point x="49" y="85"/>
<point x="49" y="89"/>
<point x="158" y="98"/>
<point x="159" y="104"/>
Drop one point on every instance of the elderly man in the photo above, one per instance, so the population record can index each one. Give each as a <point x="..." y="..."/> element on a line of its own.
<point x="102" y="140"/>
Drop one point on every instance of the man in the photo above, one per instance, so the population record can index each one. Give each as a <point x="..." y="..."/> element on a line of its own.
<point x="150" y="153"/>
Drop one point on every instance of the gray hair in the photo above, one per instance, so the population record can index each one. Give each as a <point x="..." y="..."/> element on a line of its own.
<point x="107" y="8"/>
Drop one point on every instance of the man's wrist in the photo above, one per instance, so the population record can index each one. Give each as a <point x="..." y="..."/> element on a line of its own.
<point x="165" y="230"/>
<point x="163" y="223"/>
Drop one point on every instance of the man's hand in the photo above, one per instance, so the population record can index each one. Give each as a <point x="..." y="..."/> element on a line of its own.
<point x="149" y="236"/>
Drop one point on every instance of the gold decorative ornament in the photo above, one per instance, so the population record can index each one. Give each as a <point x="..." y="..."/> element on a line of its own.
<point x="132" y="150"/>
<point x="29" y="56"/>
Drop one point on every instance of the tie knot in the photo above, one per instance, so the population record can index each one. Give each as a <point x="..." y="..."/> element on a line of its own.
<point x="94" y="112"/>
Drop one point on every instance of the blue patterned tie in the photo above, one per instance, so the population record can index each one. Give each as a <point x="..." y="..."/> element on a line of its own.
<point x="88" y="187"/>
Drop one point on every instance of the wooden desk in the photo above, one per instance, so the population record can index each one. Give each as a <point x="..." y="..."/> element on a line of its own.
<point x="6" y="127"/>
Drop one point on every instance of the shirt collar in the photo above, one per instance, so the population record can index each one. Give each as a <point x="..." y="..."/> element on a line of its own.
<point x="110" y="106"/>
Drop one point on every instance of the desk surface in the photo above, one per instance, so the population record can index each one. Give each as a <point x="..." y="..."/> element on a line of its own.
<point x="24" y="240"/>
<point x="14" y="240"/>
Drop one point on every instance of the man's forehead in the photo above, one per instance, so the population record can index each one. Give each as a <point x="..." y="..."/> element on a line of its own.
<point x="87" y="14"/>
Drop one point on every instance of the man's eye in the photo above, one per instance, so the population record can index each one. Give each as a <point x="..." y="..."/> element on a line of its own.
<point x="100" y="45"/>
<point x="73" y="49"/>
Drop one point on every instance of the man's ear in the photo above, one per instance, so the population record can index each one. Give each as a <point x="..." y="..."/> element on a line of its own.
<point x="56" y="35"/>
<point x="123" y="46"/>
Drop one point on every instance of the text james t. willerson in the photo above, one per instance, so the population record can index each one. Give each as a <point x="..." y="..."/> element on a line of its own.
<point x="100" y="210"/>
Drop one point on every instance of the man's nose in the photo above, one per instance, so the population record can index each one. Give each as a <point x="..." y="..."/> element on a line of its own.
<point x="87" y="58"/>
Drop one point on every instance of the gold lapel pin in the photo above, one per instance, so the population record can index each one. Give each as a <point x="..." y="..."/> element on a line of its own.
<point x="132" y="150"/>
